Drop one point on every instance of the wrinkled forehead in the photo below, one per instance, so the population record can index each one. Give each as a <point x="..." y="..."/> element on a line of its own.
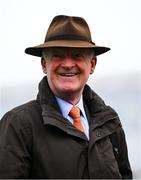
<point x="68" y="51"/>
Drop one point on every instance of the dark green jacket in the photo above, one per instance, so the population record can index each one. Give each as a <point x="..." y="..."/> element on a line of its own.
<point x="37" y="142"/>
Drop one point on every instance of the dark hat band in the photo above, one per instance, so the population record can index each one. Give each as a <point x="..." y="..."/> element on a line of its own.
<point x="68" y="37"/>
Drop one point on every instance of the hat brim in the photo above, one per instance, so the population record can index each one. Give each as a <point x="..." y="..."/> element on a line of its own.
<point x="37" y="50"/>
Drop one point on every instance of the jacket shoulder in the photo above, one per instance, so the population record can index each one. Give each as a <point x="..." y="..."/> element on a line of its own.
<point x="27" y="107"/>
<point x="16" y="140"/>
<point x="24" y="108"/>
<point x="21" y="115"/>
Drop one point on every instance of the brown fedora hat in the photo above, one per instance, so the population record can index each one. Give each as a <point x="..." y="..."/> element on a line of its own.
<point x="67" y="31"/>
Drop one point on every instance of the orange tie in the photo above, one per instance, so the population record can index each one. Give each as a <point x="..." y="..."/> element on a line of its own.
<point x="75" y="114"/>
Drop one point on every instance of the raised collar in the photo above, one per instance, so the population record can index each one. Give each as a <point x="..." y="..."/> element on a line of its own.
<point x="98" y="112"/>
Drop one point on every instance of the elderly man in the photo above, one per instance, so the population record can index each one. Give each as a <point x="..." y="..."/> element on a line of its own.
<point x="67" y="132"/>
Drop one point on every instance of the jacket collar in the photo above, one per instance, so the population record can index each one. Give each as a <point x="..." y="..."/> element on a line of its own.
<point x="51" y="112"/>
<point x="103" y="119"/>
<point x="99" y="114"/>
<point x="46" y="96"/>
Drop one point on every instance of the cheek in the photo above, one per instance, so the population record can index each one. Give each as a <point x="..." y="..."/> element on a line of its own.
<point x="48" y="67"/>
<point x="51" y="69"/>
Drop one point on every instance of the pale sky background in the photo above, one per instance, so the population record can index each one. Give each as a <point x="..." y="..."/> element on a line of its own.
<point x="113" y="23"/>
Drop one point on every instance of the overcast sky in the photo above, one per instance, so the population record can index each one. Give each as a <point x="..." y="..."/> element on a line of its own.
<point x="113" y="23"/>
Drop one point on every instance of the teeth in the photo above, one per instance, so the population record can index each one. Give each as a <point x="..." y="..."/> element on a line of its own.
<point x="68" y="75"/>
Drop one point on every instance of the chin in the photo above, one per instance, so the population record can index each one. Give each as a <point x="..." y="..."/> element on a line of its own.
<point x="68" y="90"/>
<point x="71" y="91"/>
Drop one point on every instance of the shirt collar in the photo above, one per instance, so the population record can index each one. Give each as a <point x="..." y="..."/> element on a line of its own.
<point x="66" y="107"/>
<point x="80" y="105"/>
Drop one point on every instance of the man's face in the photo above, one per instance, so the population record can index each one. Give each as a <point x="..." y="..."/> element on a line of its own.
<point x="68" y="70"/>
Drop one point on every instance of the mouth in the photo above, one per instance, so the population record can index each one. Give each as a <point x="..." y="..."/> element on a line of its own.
<point x="68" y="74"/>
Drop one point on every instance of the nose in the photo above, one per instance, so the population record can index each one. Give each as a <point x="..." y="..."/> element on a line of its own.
<point x="68" y="61"/>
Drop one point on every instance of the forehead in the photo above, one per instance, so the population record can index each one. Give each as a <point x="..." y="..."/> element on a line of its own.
<point x="68" y="50"/>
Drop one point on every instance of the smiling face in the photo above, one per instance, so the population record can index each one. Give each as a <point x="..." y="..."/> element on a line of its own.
<point x="68" y="70"/>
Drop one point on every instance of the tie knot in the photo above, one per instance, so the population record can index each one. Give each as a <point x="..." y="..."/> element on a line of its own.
<point x="75" y="112"/>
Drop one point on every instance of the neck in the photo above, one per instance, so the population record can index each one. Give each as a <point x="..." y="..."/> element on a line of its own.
<point x="72" y="99"/>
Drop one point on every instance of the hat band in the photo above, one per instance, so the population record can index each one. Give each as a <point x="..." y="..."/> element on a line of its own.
<point x="68" y="37"/>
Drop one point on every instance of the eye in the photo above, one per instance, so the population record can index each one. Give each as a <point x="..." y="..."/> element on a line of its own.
<point x="78" y="55"/>
<point x="57" y="56"/>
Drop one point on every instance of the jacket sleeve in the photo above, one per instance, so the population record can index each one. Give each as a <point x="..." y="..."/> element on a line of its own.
<point x="15" y="155"/>
<point x="122" y="157"/>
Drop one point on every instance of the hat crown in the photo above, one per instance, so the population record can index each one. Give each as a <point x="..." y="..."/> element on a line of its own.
<point x="68" y="27"/>
<point x="70" y="32"/>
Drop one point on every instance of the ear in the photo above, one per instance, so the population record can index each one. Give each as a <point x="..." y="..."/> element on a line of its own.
<point x="93" y="64"/>
<point x="43" y="63"/>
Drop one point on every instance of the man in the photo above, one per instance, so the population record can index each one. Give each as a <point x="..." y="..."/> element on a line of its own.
<point x="45" y="138"/>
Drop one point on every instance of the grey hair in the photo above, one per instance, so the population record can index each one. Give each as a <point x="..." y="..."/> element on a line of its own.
<point x="46" y="52"/>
